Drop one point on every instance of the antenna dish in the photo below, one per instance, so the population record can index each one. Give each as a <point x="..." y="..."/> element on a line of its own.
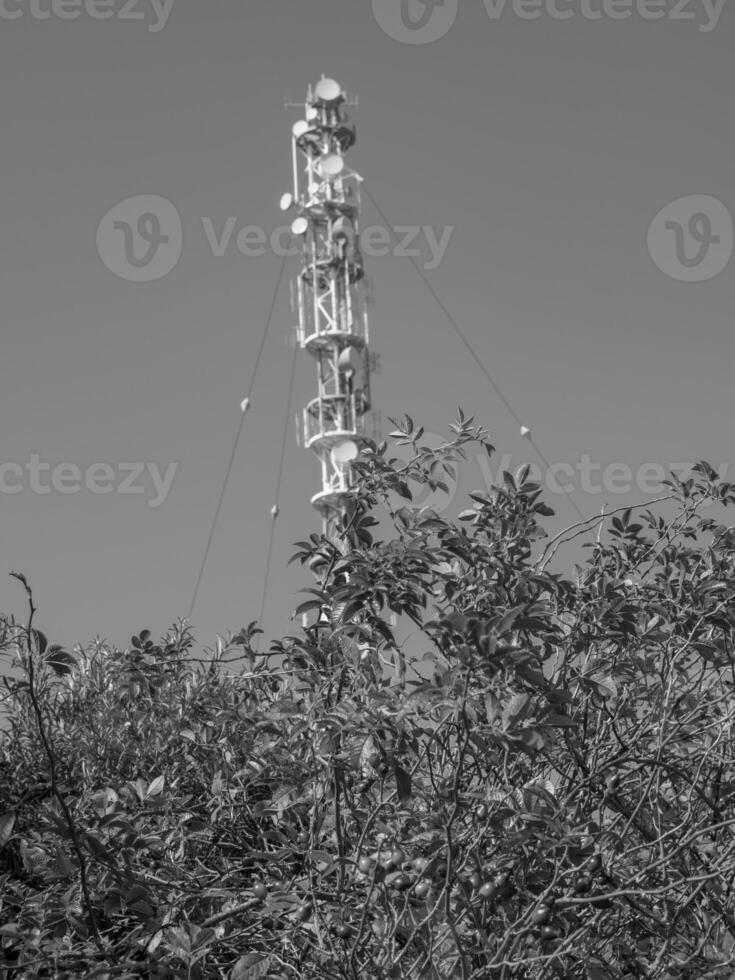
<point x="300" y="127"/>
<point x="344" y="452"/>
<point x="343" y="228"/>
<point x="331" y="165"/>
<point x="286" y="202"/>
<point x="311" y="113"/>
<point x="299" y="226"/>
<point x="327" y="90"/>
<point x="349" y="361"/>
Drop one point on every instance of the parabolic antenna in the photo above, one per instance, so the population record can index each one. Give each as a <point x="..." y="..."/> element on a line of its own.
<point x="349" y="361"/>
<point x="343" y="228"/>
<point x="344" y="452"/>
<point x="331" y="165"/>
<point x="300" y="127"/>
<point x="327" y="90"/>
<point x="286" y="201"/>
<point x="299" y="226"/>
<point x="311" y="113"/>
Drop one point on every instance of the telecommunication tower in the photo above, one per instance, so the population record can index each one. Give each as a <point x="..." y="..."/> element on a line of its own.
<point x="329" y="293"/>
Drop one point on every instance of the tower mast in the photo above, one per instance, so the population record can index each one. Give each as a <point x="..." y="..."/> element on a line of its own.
<point x="330" y="293"/>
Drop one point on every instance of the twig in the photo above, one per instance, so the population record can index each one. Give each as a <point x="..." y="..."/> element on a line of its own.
<point x="52" y="768"/>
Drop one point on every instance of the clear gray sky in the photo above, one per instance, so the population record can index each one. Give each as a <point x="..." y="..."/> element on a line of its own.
<point x="546" y="146"/>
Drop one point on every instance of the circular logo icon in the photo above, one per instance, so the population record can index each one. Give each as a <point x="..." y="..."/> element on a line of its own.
<point x="415" y="21"/>
<point x="691" y="239"/>
<point x="141" y="238"/>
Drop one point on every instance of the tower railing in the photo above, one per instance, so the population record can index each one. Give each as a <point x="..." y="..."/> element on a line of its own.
<point x="330" y="291"/>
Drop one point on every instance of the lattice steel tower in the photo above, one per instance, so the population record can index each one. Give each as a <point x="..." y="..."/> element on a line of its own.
<point x="329" y="292"/>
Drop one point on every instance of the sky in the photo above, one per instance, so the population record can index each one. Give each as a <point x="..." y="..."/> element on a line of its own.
<point x="574" y="157"/>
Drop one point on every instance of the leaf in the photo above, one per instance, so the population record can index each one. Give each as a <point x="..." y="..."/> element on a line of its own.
<point x="63" y="864"/>
<point x="41" y="641"/>
<point x="402" y="489"/>
<point x="516" y="709"/>
<point x="456" y="622"/>
<point x="350" y="609"/>
<point x="508" y="619"/>
<point x="156" y="787"/>
<point x="308" y="606"/>
<point x="179" y="940"/>
<point x="561" y="721"/>
<point x="493" y="707"/>
<point x="605" y="685"/>
<point x="139" y="788"/>
<point x="251" y="966"/>
<point x="534" y="677"/>
<point x="6" y="828"/>
<point x="97" y="848"/>
<point x="403" y="783"/>
<point x="59" y="660"/>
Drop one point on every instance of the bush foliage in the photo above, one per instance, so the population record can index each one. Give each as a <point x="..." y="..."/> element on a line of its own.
<point x="538" y="784"/>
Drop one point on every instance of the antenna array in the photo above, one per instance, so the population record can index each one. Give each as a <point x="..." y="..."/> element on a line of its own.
<point x="329" y="292"/>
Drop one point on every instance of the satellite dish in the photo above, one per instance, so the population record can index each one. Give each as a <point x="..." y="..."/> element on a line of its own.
<point x="331" y="165"/>
<point x="300" y="127"/>
<point x="286" y="202"/>
<point x="299" y="226"/>
<point x="349" y="361"/>
<point x="311" y="113"/>
<point x="327" y="90"/>
<point x="344" y="452"/>
<point x="343" y="228"/>
<point x="313" y="188"/>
